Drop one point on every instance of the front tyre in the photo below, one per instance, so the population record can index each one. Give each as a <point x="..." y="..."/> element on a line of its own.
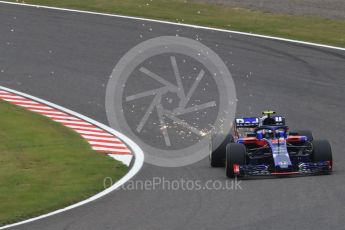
<point x="235" y="156"/>
<point x="322" y="152"/>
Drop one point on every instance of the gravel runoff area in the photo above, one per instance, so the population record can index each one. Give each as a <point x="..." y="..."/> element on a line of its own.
<point x="322" y="8"/>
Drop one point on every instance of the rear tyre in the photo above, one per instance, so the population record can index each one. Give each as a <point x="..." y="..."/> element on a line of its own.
<point x="217" y="155"/>
<point x="322" y="151"/>
<point x="235" y="154"/>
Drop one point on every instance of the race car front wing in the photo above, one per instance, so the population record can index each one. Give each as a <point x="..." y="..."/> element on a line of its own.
<point x="301" y="169"/>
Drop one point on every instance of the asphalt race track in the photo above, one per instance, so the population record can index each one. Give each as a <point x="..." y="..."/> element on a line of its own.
<point x="67" y="58"/>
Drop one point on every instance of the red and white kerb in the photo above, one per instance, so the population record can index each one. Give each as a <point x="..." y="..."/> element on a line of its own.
<point x="99" y="139"/>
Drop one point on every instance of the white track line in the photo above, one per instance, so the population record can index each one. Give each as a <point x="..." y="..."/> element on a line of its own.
<point x="178" y="24"/>
<point x="124" y="157"/>
<point x="139" y="156"/>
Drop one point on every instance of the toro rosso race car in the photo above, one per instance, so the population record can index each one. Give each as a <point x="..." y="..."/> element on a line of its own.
<point x="264" y="146"/>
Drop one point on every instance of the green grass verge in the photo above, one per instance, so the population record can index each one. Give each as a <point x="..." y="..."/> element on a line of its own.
<point x="311" y="29"/>
<point x="45" y="166"/>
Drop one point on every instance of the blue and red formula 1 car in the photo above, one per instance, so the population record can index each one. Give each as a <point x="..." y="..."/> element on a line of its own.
<point x="264" y="147"/>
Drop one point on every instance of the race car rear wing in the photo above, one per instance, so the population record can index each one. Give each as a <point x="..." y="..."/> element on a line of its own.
<point x="253" y="122"/>
<point x="248" y="122"/>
